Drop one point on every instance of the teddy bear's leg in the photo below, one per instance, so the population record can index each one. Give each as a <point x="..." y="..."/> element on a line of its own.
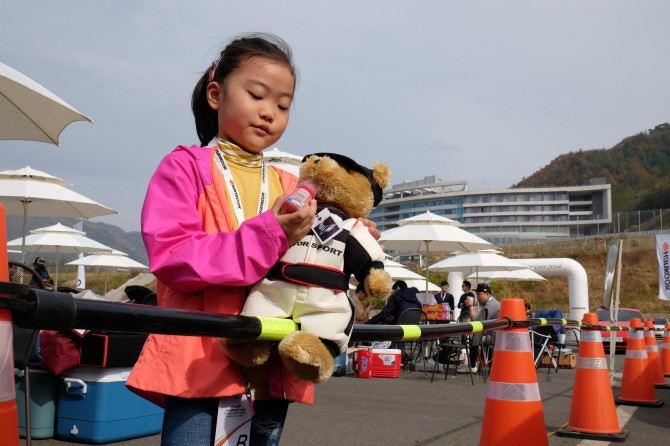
<point x="307" y="356"/>
<point x="246" y="352"/>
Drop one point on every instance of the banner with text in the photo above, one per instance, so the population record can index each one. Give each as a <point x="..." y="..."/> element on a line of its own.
<point x="663" y="255"/>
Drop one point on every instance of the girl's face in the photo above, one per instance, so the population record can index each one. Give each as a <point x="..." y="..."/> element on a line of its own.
<point x="253" y="103"/>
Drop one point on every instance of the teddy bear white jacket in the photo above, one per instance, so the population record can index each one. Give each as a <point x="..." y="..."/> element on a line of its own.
<point x="309" y="283"/>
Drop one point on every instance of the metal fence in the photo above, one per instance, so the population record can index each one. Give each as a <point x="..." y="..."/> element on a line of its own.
<point x="636" y="228"/>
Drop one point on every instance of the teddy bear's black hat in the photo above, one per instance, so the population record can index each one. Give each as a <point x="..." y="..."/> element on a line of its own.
<point x="350" y="164"/>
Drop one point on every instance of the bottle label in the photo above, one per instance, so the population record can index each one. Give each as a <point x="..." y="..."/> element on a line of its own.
<point x="299" y="198"/>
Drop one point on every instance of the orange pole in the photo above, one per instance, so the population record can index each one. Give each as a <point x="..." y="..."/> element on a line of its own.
<point x="9" y="415"/>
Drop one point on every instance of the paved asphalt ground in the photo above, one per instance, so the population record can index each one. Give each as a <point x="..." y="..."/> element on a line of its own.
<point x="410" y="410"/>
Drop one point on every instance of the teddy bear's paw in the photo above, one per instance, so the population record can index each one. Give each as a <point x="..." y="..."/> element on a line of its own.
<point x="305" y="355"/>
<point x="246" y="352"/>
<point x="378" y="283"/>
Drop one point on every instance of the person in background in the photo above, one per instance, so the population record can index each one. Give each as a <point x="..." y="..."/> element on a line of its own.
<point x="467" y="302"/>
<point x="362" y="314"/>
<point x="490" y="310"/>
<point x="444" y="297"/>
<point x="40" y="267"/>
<point x="402" y="299"/>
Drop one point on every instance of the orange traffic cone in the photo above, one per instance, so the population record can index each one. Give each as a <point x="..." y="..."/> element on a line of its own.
<point x="637" y="387"/>
<point x="513" y="412"/>
<point x="592" y="389"/>
<point x="9" y="416"/>
<point x="655" y="367"/>
<point x="665" y="351"/>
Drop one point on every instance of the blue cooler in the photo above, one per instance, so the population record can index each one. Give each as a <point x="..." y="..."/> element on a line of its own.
<point x="94" y="406"/>
<point x="43" y="397"/>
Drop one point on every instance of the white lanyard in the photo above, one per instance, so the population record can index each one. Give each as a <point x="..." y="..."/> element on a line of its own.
<point x="234" y="192"/>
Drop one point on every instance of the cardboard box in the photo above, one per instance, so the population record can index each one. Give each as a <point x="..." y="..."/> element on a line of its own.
<point x="545" y="360"/>
<point x="568" y="361"/>
<point x="386" y="362"/>
<point x="94" y="406"/>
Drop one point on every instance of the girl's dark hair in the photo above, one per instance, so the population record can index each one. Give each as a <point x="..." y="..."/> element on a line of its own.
<point x="231" y="58"/>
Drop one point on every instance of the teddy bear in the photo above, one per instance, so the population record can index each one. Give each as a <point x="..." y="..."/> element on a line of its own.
<point x="310" y="281"/>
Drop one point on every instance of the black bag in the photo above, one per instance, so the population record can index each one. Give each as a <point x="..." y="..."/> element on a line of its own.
<point x="109" y="349"/>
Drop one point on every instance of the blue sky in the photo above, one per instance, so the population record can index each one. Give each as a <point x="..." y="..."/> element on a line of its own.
<point x="487" y="92"/>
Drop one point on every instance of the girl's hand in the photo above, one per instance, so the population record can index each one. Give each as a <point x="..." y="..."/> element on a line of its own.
<point x="297" y="224"/>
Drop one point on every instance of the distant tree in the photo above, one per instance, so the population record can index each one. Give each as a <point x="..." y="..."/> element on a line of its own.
<point x="636" y="168"/>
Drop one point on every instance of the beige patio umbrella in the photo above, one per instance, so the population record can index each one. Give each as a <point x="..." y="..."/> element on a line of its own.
<point x="31" y="112"/>
<point x="428" y="231"/>
<point x="397" y="271"/>
<point x="476" y="262"/>
<point x="115" y="259"/>
<point x="519" y="275"/>
<point x="59" y="239"/>
<point x="32" y="193"/>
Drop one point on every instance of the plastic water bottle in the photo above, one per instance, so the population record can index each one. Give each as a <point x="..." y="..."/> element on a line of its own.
<point x="302" y="195"/>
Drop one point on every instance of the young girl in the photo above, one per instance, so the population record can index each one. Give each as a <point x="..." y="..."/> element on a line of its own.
<point x="209" y="234"/>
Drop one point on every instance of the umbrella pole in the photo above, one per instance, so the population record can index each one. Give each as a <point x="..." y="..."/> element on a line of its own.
<point x="56" y="281"/>
<point x="25" y="223"/>
<point x="106" y="272"/>
<point x="427" y="251"/>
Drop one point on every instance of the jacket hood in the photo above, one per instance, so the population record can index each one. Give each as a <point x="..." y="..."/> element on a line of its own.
<point x="406" y="295"/>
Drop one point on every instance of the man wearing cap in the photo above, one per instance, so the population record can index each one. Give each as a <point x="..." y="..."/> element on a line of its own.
<point x="490" y="310"/>
<point x="40" y="267"/>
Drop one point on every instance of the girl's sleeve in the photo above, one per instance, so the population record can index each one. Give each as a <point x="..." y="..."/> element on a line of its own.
<point x="186" y="258"/>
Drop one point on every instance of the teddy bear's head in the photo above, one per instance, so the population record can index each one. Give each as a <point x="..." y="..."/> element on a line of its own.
<point x="341" y="180"/>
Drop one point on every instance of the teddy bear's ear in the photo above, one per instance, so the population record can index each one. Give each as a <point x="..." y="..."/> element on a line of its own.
<point x="308" y="167"/>
<point x="381" y="174"/>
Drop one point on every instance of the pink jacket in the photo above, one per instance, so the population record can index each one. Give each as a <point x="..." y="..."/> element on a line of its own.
<point x="186" y="226"/>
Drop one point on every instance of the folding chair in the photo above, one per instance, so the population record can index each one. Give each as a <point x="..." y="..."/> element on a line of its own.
<point x="412" y="316"/>
<point x="448" y="352"/>
<point x="544" y="341"/>
<point x="485" y="353"/>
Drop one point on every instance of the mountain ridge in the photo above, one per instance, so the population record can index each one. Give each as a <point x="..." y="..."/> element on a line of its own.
<point x="638" y="168"/>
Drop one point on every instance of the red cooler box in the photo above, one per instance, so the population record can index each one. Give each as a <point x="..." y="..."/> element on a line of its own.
<point x="386" y="362"/>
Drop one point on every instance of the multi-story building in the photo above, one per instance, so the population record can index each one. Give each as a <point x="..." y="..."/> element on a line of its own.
<point x="503" y="216"/>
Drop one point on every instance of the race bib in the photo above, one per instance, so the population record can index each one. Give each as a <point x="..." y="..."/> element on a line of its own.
<point x="233" y="421"/>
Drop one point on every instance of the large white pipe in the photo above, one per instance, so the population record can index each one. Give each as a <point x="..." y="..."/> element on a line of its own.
<point x="578" y="283"/>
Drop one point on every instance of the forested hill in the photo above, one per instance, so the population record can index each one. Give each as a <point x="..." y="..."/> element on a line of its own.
<point x="638" y="168"/>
